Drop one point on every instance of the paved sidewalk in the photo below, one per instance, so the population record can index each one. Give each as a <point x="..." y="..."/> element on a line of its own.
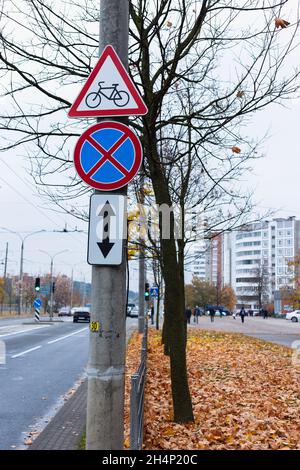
<point x="274" y="330"/>
<point x="65" y="430"/>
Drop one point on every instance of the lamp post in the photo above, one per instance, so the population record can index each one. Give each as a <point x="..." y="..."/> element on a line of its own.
<point x="21" y="261"/>
<point x="51" y="277"/>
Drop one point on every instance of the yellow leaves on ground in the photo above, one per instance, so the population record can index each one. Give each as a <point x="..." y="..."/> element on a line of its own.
<point x="280" y="23"/>
<point x="245" y="394"/>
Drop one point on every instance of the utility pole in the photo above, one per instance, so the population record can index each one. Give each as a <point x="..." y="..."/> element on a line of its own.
<point x="106" y="365"/>
<point x="51" y="278"/>
<point x="4" y="274"/>
<point x="72" y="287"/>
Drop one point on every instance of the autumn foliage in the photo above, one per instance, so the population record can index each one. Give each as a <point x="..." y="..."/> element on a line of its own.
<point x="245" y="394"/>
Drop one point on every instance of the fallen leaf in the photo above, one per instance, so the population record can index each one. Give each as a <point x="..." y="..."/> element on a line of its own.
<point x="280" y="23"/>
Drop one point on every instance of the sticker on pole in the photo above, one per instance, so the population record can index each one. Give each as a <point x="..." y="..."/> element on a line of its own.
<point x="109" y="91"/>
<point x="108" y="155"/>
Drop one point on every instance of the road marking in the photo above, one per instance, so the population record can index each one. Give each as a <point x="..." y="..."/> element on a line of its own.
<point x="66" y="336"/>
<point x="24" y="331"/>
<point x="25" y="352"/>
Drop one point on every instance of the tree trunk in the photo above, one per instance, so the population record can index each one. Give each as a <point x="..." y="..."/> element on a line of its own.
<point x="174" y="329"/>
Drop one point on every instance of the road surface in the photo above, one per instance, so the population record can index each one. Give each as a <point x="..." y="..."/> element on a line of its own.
<point x="278" y="331"/>
<point x="43" y="362"/>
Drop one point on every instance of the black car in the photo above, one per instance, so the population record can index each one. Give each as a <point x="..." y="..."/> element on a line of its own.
<point x="81" y="315"/>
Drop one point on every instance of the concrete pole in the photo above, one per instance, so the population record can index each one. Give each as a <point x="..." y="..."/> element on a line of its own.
<point x="106" y="365"/>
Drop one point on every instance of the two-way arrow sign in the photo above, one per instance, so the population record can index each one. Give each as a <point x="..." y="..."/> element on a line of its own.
<point x="106" y="229"/>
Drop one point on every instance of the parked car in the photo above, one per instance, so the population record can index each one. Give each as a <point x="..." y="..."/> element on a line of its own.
<point x="219" y="309"/>
<point x="134" y="312"/>
<point x="64" y="311"/>
<point x="293" y="316"/>
<point x="81" y="314"/>
<point x="129" y="308"/>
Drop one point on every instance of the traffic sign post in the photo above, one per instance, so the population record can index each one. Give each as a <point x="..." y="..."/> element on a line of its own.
<point x="154" y="292"/>
<point x="108" y="155"/>
<point x="106" y="229"/>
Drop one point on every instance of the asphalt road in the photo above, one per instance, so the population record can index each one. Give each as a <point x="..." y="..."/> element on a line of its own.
<point x="278" y="331"/>
<point x="43" y="363"/>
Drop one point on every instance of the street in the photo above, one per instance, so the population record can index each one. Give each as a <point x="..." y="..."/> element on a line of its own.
<point x="272" y="329"/>
<point x="43" y="362"/>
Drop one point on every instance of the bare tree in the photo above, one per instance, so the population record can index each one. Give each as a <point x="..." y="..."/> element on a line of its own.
<point x="203" y="67"/>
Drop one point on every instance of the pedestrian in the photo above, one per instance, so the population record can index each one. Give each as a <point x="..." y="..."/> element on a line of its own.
<point x="188" y="314"/>
<point x="152" y="314"/>
<point x="265" y="313"/>
<point x="234" y="314"/>
<point x="212" y="314"/>
<point x="198" y="314"/>
<point x="250" y="312"/>
<point x="242" y="314"/>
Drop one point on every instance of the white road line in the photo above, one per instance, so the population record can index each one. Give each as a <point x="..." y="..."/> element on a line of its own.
<point x="67" y="336"/>
<point x="24" y="331"/>
<point x="25" y="352"/>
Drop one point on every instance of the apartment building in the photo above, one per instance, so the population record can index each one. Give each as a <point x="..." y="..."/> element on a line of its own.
<point x="254" y="261"/>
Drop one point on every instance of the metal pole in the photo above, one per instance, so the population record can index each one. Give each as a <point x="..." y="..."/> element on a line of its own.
<point x="4" y="275"/>
<point x="21" y="280"/>
<point x="51" y="289"/>
<point x="5" y="262"/>
<point x="72" y="282"/>
<point x="106" y="365"/>
<point x="141" y="320"/>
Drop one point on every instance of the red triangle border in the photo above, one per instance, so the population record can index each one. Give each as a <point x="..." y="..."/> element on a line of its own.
<point x="141" y="108"/>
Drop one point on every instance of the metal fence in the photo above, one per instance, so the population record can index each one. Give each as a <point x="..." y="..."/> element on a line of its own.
<point x="137" y="393"/>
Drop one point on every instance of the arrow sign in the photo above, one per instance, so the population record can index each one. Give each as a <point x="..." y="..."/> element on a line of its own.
<point x="106" y="226"/>
<point x="106" y="213"/>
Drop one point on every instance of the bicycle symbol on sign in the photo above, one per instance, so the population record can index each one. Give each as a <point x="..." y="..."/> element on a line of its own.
<point x="119" y="97"/>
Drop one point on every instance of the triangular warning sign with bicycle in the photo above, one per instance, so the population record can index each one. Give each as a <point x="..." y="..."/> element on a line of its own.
<point x="109" y="91"/>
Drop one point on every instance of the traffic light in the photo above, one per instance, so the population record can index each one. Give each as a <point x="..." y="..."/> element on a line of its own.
<point x="147" y="291"/>
<point x="53" y="286"/>
<point x="37" y="285"/>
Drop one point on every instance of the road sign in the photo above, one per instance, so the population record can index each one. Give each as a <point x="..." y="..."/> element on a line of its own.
<point x="108" y="155"/>
<point x="106" y="229"/>
<point x="37" y="303"/>
<point x="154" y="291"/>
<point x="109" y="91"/>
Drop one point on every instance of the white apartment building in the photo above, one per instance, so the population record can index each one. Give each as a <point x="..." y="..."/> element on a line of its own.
<point x="253" y="260"/>
<point x="199" y="260"/>
<point x="260" y="257"/>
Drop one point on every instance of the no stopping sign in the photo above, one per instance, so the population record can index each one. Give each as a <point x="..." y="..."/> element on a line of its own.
<point x="108" y="155"/>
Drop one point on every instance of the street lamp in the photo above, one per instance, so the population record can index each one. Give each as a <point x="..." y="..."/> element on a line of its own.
<point x="51" y="277"/>
<point x="21" y="261"/>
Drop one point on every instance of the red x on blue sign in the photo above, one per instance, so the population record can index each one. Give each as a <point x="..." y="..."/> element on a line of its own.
<point x="108" y="155"/>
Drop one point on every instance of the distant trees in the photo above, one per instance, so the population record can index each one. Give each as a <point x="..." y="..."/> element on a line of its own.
<point x="202" y="293"/>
